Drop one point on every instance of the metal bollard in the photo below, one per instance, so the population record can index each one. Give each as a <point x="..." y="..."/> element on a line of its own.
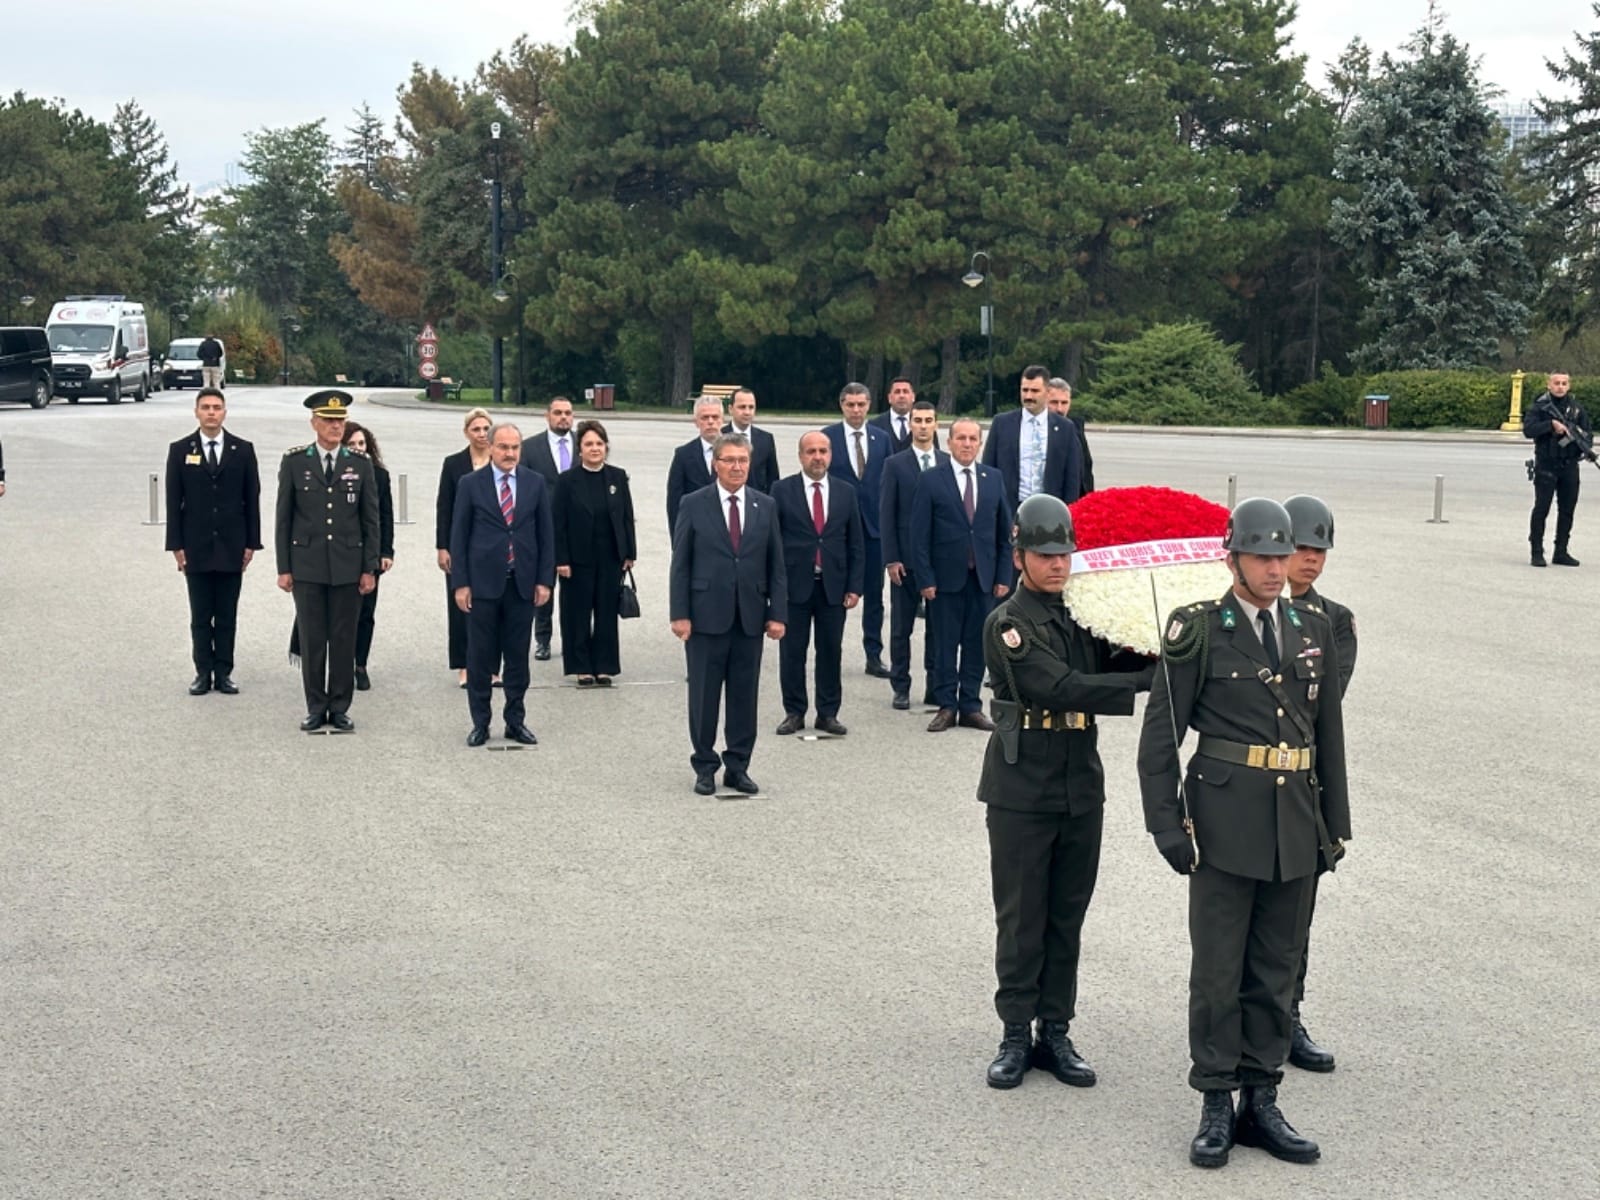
<point x="1233" y="490"/>
<point x="155" y="501"/>
<point x="1438" y="502"/>
<point x="405" y="503"/>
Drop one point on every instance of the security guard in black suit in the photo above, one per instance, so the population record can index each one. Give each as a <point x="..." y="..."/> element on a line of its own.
<point x="1045" y="790"/>
<point x="328" y="544"/>
<point x="1265" y="807"/>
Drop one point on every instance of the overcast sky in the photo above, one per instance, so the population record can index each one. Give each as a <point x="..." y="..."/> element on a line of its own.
<point x="208" y="76"/>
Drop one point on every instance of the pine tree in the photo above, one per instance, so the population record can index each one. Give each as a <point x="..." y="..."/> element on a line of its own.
<point x="171" y="243"/>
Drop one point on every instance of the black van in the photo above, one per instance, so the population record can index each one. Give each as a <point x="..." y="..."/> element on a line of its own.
<point x="25" y="366"/>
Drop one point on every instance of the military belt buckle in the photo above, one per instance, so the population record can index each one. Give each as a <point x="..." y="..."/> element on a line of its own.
<point x="1073" y="720"/>
<point x="1285" y="760"/>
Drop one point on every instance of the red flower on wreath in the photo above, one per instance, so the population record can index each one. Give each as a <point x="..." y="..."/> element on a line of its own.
<point x="1125" y="516"/>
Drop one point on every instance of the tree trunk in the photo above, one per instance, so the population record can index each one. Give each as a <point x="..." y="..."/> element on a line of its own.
<point x="949" y="373"/>
<point x="875" y="375"/>
<point x="851" y="361"/>
<point x="911" y="368"/>
<point x="1073" y="363"/>
<point x="678" y="334"/>
<point x="1316" y="315"/>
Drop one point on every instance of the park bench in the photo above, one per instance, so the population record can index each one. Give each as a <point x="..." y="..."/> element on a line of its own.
<point x="452" y="389"/>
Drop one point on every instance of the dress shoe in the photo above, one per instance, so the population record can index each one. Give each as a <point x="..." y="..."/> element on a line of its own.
<point x="1012" y="1063"/>
<point x="830" y="725"/>
<point x="739" y="781"/>
<point x="791" y="723"/>
<point x="478" y="736"/>
<point x="1054" y="1052"/>
<point x="876" y="669"/>
<point x="313" y="722"/>
<point x="1538" y="557"/>
<point x="200" y="686"/>
<point x="542" y="652"/>
<point x="1562" y="559"/>
<point x="976" y="720"/>
<point x="602" y="681"/>
<point x="1260" y="1124"/>
<point x="585" y="680"/>
<point x="521" y="733"/>
<point x="705" y="784"/>
<point x="363" y="681"/>
<point x="1305" y="1053"/>
<point x="1211" y="1145"/>
<point x="942" y="720"/>
<point x="226" y="685"/>
<point x="341" y="722"/>
<point x="902" y="701"/>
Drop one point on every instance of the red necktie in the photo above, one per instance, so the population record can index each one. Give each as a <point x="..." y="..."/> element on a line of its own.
<point x="818" y="518"/>
<point x="733" y="522"/>
<point x="508" y="510"/>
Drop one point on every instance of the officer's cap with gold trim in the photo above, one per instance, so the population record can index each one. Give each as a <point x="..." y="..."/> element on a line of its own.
<point x="330" y="402"/>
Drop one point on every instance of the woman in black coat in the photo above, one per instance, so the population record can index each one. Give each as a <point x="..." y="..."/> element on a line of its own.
<point x="359" y="437"/>
<point x="457" y="465"/>
<point x="593" y="512"/>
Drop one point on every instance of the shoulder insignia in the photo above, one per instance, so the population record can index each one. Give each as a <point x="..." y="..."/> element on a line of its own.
<point x="1294" y="617"/>
<point x="1181" y="630"/>
<point x="1012" y="636"/>
<point x="353" y="450"/>
<point x="1229" y="620"/>
<point x="1307" y="606"/>
<point x="296" y="450"/>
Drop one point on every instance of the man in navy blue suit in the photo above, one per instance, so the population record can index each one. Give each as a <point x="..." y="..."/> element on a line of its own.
<point x="961" y="557"/>
<point x="1035" y="449"/>
<point x="860" y="450"/>
<point x="824" y="555"/>
<point x="900" y="478"/>
<point x="763" y="449"/>
<point x="727" y="587"/>
<point x="503" y="560"/>
<point x="691" y="462"/>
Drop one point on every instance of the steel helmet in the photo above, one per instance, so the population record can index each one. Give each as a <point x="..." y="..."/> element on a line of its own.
<point x="1044" y="525"/>
<point x="1312" y="521"/>
<point x="1259" y="526"/>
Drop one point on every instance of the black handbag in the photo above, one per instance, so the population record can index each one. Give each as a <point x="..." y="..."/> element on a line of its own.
<point x="628" y="601"/>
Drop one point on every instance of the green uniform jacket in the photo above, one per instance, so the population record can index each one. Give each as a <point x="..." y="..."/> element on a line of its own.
<point x="326" y="533"/>
<point x="1249" y="821"/>
<point x="1059" y="666"/>
<point x="1344" y="633"/>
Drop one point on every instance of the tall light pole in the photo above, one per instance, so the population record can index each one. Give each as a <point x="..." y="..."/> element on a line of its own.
<point x="497" y="354"/>
<point x="974" y="278"/>
<point x="289" y="324"/>
<point x="25" y="302"/>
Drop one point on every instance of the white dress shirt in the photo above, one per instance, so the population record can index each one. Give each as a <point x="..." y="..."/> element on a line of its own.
<point x="723" y="496"/>
<point x="499" y="478"/>
<point x="1030" y="476"/>
<point x="961" y="479"/>
<point x="810" y="483"/>
<point x="1252" y="614"/>
<point x="850" y="435"/>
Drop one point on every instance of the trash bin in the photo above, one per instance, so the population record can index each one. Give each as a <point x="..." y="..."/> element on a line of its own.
<point x="605" y="396"/>
<point x="435" y="390"/>
<point x="1377" y="412"/>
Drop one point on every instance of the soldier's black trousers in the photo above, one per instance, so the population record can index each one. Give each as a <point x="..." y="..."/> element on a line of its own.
<point x="1560" y="484"/>
<point x="325" y="616"/>
<point x="213" y="615"/>
<point x="1246" y="938"/>
<point x="367" y="622"/>
<point x="1043" y="868"/>
<point x="1305" y="953"/>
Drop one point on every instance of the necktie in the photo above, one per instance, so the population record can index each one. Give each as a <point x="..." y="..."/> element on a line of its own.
<point x="969" y="501"/>
<point x="211" y="453"/>
<point x="927" y="460"/>
<point x="902" y="423"/>
<point x="566" y="455"/>
<point x="1269" y="641"/>
<point x="818" y="517"/>
<point x="861" y="457"/>
<point x="508" y="510"/>
<point x="327" y="468"/>
<point x="733" y="522"/>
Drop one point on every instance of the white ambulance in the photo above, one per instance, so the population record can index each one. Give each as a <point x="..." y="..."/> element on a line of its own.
<point x="100" y="346"/>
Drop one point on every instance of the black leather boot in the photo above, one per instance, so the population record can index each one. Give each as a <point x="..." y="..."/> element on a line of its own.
<point x="1562" y="559"/>
<point x="1011" y="1064"/>
<point x="1211" y="1145"/>
<point x="1305" y="1053"/>
<point x="1260" y="1124"/>
<point x="1538" y="556"/>
<point x="1054" y="1052"/>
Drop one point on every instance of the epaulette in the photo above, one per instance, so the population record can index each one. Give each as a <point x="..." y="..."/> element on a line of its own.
<point x="1184" y="633"/>
<point x="297" y="450"/>
<point x="1011" y="636"/>
<point x="353" y="450"/>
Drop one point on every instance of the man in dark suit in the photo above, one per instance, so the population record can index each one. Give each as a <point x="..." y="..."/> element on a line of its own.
<point x="1058" y="399"/>
<point x="960" y="540"/>
<point x="824" y="554"/>
<point x="1035" y="450"/>
<point x="213" y="531"/>
<point x="728" y="586"/>
<point x="763" y="450"/>
<point x="900" y="477"/>
<point x="691" y="462"/>
<point x="328" y="544"/>
<point x="550" y="455"/>
<point x="860" y="450"/>
<point x="896" y="422"/>
<point x="503" y="561"/>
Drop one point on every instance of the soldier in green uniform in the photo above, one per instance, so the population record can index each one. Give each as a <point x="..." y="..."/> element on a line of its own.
<point x="327" y="544"/>
<point x="1264" y="805"/>
<point x="1045" y="791"/>
<point x="1313" y="538"/>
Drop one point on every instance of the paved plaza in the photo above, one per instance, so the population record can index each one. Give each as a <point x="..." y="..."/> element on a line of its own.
<point x="237" y="961"/>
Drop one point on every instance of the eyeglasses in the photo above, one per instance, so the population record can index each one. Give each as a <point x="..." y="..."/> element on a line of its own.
<point x="742" y="461"/>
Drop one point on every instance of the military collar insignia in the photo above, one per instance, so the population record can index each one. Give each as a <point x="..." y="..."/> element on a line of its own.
<point x="1228" y="619"/>
<point x="1294" y="617"/>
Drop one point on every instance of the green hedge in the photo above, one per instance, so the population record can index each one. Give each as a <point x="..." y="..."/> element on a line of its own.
<point x="1444" y="399"/>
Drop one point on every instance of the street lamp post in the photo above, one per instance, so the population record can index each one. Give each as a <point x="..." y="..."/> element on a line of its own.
<point x="974" y="278"/>
<point x="502" y="296"/>
<point x="290" y="325"/>
<point x="25" y="303"/>
<point x="497" y="354"/>
<point x="175" y="318"/>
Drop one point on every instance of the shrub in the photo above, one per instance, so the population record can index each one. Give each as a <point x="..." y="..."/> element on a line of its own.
<point x="1333" y="399"/>
<point x="1445" y="399"/>
<point x="1177" y="375"/>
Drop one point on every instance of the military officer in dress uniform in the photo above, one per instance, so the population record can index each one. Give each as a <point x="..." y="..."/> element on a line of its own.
<point x="1312" y="521"/>
<point x="1264" y="808"/>
<point x="1045" y="791"/>
<point x="327" y="543"/>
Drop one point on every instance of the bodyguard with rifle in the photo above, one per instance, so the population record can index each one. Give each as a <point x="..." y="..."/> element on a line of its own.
<point x="1264" y="807"/>
<point x="1561" y="441"/>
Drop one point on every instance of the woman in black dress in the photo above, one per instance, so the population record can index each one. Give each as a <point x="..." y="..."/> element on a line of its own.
<point x="593" y="513"/>
<point x="359" y="437"/>
<point x="457" y="465"/>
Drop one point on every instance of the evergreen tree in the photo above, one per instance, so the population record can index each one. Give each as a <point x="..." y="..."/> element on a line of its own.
<point x="171" y="245"/>
<point x="1568" y="158"/>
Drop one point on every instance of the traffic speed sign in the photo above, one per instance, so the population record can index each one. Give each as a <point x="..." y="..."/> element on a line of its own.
<point x="429" y="350"/>
<point x="429" y="368"/>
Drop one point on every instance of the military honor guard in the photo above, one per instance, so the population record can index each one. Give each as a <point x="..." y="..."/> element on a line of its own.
<point x="1263" y="808"/>
<point x="1045" y="791"/>
<point x="328" y="545"/>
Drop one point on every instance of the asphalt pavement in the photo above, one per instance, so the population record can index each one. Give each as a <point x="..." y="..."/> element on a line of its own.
<point x="239" y="961"/>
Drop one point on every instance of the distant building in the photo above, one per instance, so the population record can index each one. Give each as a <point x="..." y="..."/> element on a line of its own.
<point x="1519" y="120"/>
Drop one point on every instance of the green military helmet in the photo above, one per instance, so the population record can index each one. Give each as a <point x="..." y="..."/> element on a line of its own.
<point x="1044" y="525"/>
<point x="1312" y="521"/>
<point x="1259" y="526"/>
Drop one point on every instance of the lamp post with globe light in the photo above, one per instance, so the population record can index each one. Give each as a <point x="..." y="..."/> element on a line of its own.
<point x="976" y="278"/>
